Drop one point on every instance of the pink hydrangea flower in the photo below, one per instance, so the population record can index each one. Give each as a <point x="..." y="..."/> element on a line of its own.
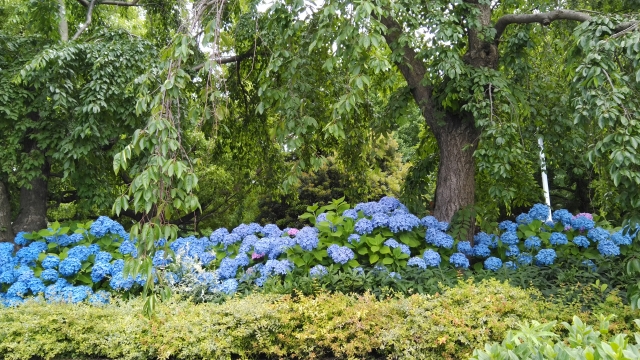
<point x="587" y="215"/>
<point x="256" y="256"/>
<point x="293" y="232"/>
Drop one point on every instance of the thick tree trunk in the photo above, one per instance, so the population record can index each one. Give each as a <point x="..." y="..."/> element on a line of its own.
<point x="33" y="206"/>
<point x="6" y="231"/>
<point x="457" y="140"/>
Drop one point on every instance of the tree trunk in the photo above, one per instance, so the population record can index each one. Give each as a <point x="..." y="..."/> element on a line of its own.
<point x="6" y="231"/>
<point x="33" y="206"/>
<point x="457" y="140"/>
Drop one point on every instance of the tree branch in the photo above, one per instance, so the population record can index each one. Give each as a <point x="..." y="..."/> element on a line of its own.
<point x="85" y="3"/>
<point x="546" y="19"/>
<point x="86" y="23"/>
<point x="230" y="59"/>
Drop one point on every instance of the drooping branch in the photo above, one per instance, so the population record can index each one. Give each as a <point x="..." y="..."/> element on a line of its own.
<point x="411" y="67"/>
<point x="229" y="59"/>
<point x="547" y="18"/>
<point x="85" y="3"/>
<point x="86" y="23"/>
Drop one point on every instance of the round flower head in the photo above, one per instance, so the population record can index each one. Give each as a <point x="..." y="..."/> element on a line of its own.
<point x="439" y="238"/>
<point x="318" y="271"/>
<point x="50" y="262"/>
<point x="558" y="238"/>
<point x="353" y="239"/>
<point x="510" y="238"/>
<point x="598" y="234"/>
<point x="608" y="248"/>
<point x="307" y="238"/>
<point x="430" y="222"/>
<point x="582" y="223"/>
<point x="340" y="254"/>
<point x="350" y="213"/>
<point x="619" y="239"/>
<point x="403" y="222"/>
<point x="562" y="216"/>
<point x="508" y="225"/>
<point x="20" y="240"/>
<point x="539" y="212"/>
<point x="50" y="275"/>
<point x="481" y="251"/>
<point x="459" y="260"/>
<point x="431" y="258"/>
<point x="369" y="208"/>
<point x="546" y="257"/>
<point x="417" y="261"/>
<point x="532" y="242"/>
<point x="103" y="256"/>
<point x="380" y="220"/>
<point x="512" y="250"/>
<point x="581" y="241"/>
<point x="511" y="265"/>
<point x="493" y="264"/>
<point x="217" y="236"/>
<point x="483" y="238"/>
<point x="69" y="266"/>
<point x="465" y="248"/>
<point x="364" y="226"/>
<point x="524" y="219"/>
<point x="524" y="259"/>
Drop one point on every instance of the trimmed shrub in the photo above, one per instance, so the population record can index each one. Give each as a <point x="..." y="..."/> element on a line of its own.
<point x="442" y="326"/>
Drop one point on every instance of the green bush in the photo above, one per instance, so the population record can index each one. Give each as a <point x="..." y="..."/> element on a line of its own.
<point x="448" y="325"/>
<point x="538" y="341"/>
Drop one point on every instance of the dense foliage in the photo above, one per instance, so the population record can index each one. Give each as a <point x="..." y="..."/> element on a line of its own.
<point x="445" y="325"/>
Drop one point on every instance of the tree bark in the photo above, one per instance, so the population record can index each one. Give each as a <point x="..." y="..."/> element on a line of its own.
<point x="457" y="141"/>
<point x="6" y="230"/>
<point x="33" y="205"/>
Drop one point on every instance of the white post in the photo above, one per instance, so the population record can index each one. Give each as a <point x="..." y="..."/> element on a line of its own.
<point x="545" y="183"/>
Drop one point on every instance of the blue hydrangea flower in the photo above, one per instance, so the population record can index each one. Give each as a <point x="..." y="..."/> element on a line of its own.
<point x="7" y="277"/>
<point x="533" y="242"/>
<point x="353" y="239"/>
<point x="217" y="236"/>
<point x="20" y="240"/>
<point x="50" y="275"/>
<point x="103" y="225"/>
<point x="229" y="286"/>
<point x="271" y="230"/>
<point x="417" y="261"/>
<point x="19" y="289"/>
<point x="395" y="275"/>
<point x="512" y="250"/>
<point x="511" y="265"/>
<point x="619" y="239"/>
<point x="459" y="260"/>
<point x="545" y="257"/>
<point x="510" y="238"/>
<point x="483" y="238"/>
<point x="380" y="220"/>
<point x="278" y="267"/>
<point x="608" y="248"/>
<point x="81" y="253"/>
<point x="364" y="226"/>
<point x="232" y="238"/>
<point x="318" y="271"/>
<point x="322" y="217"/>
<point x="35" y="285"/>
<point x="558" y="238"/>
<point x="389" y="203"/>
<point x="94" y="249"/>
<point x="562" y="216"/>
<point x="24" y="273"/>
<point x="307" y="238"/>
<point x="539" y="212"/>
<point x="228" y="269"/>
<point x="508" y="225"/>
<point x="340" y="254"/>
<point x="128" y="248"/>
<point x="392" y="243"/>
<point x="350" y="213"/>
<point x="481" y="251"/>
<point x="524" y="219"/>
<point x="582" y="223"/>
<point x="439" y="238"/>
<point x="525" y="259"/>
<point x="431" y="258"/>
<point x="247" y="243"/>
<point x="103" y="256"/>
<point x="598" y="234"/>
<point x="243" y="230"/>
<point x="50" y="262"/>
<point x="403" y="222"/>
<point x="465" y="248"/>
<point x="99" y="271"/>
<point x="100" y="297"/>
<point x="358" y="270"/>
<point x="493" y="264"/>
<point x="430" y="222"/>
<point x="69" y="266"/>
<point x="369" y="208"/>
<point x="581" y="241"/>
<point x="28" y="255"/>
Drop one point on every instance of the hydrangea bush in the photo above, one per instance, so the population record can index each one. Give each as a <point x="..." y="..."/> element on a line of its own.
<point x="381" y="237"/>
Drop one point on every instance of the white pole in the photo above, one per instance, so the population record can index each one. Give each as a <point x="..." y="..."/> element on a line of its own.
<point x="545" y="182"/>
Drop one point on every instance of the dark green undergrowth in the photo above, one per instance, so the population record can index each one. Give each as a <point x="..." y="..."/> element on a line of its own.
<point x="445" y="325"/>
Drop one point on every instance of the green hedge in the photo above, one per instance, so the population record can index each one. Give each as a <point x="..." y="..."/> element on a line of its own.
<point x="443" y="326"/>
